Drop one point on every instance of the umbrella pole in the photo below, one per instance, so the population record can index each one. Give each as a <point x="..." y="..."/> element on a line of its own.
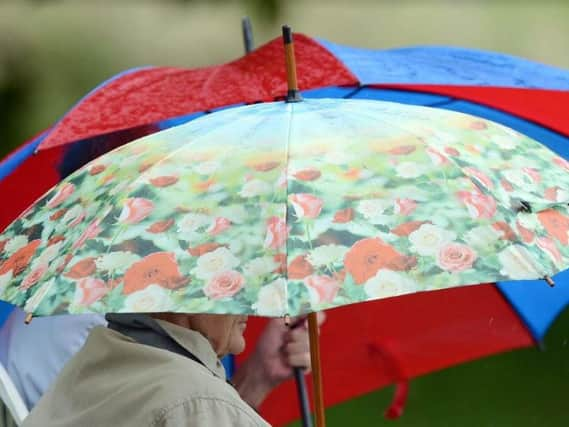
<point x="302" y="397"/>
<point x="247" y="34"/>
<point x="316" y="370"/>
<point x="293" y="95"/>
<point x="300" y="381"/>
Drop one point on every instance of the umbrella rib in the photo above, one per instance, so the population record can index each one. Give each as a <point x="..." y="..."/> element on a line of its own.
<point x="536" y="268"/>
<point x="287" y="155"/>
<point x="140" y="178"/>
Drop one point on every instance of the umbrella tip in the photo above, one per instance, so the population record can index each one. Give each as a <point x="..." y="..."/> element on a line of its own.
<point x="522" y="206"/>
<point x="549" y="281"/>
<point x="247" y="30"/>
<point x="28" y="319"/>
<point x="287" y="34"/>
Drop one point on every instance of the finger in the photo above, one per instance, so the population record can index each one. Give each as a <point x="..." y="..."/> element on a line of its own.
<point x="297" y="347"/>
<point x="302" y="321"/>
<point x="297" y="335"/>
<point x="277" y="324"/>
<point x="299" y="322"/>
<point x="301" y="360"/>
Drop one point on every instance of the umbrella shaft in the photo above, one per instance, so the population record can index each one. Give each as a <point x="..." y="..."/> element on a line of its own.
<point x="316" y="370"/>
<point x="303" y="398"/>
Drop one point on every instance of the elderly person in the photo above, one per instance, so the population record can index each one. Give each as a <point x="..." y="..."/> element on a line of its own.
<point x="165" y="370"/>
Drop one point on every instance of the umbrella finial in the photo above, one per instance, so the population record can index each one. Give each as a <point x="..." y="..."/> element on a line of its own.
<point x="549" y="281"/>
<point x="28" y="319"/>
<point x="293" y="95"/>
<point x="247" y="30"/>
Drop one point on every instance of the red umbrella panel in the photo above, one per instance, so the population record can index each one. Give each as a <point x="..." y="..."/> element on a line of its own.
<point x="389" y="341"/>
<point x="128" y="106"/>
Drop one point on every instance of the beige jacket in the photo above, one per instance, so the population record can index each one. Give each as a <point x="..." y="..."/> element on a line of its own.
<point x="115" y="381"/>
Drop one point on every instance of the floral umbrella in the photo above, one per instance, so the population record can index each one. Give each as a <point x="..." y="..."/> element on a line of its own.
<point x="231" y="209"/>
<point x="227" y="213"/>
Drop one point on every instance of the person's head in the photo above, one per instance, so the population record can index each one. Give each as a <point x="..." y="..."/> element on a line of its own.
<point x="223" y="331"/>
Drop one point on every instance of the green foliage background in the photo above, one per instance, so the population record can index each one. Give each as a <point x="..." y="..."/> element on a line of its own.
<point x="52" y="52"/>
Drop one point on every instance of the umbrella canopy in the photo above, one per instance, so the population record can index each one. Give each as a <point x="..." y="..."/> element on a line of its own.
<point x="283" y="209"/>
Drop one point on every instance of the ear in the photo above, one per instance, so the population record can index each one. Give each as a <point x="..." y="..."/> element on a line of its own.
<point x="179" y="319"/>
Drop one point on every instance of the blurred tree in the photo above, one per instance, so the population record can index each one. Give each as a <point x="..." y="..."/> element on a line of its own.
<point x="53" y="52"/>
<point x="16" y="95"/>
<point x="267" y="10"/>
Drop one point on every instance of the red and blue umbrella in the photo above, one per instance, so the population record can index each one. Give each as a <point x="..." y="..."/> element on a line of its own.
<point x="518" y="93"/>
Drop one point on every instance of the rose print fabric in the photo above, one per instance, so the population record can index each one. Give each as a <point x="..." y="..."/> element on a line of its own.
<point x="277" y="209"/>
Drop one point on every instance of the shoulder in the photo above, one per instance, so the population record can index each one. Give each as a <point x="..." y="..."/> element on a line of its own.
<point x="189" y="391"/>
<point x="206" y="411"/>
<point x="172" y="380"/>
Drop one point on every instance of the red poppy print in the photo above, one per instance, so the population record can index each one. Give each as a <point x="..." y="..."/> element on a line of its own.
<point x="163" y="181"/>
<point x="324" y="287"/>
<point x="404" y="206"/>
<point x="407" y="228"/>
<point x="96" y="169"/>
<point x="556" y="224"/>
<point x="205" y="248"/>
<point x="367" y="256"/>
<point x="83" y="268"/>
<point x="91" y="232"/>
<point x="344" y="216"/>
<point x="480" y="177"/>
<point x="306" y="205"/>
<point x="308" y="175"/>
<point x="277" y="233"/>
<point x="479" y="205"/>
<point x="33" y="277"/>
<point x="135" y="210"/>
<point x="299" y="268"/>
<point x="159" y="268"/>
<point x="62" y="194"/>
<point x="507" y="232"/>
<point x="90" y="290"/>
<point x="20" y="259"/>
<point x="161" y="226"/>
<point x="265" y="166"/>
<point x="402" y="150"/>
<point x="219" y="225"/>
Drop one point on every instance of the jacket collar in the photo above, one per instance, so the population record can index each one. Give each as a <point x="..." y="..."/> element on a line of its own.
<point x="168" y="336"/>
<point x="196" y="344"/>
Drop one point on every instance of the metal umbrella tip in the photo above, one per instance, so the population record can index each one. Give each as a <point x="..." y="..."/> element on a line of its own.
<point x="287" y="34"/>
